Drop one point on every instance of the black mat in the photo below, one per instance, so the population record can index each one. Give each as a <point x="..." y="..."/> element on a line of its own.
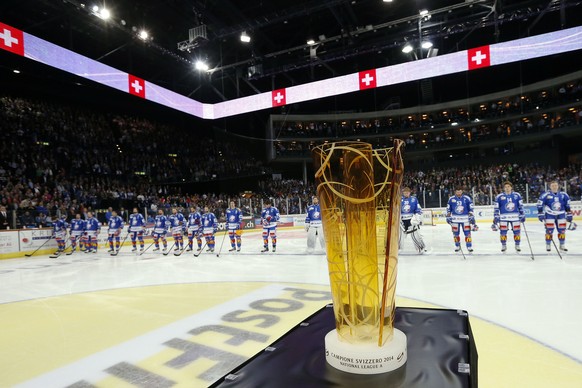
<point x="441" y="353"/>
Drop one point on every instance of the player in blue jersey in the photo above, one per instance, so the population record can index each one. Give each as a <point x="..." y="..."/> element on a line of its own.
<point x="313" y="226"/>
<point x="555" y="212"/>
<point x="115" y="226"/>
<point x="269" y="218"/>
<point x="209" y="228"/>
<point x="60" y="232"/>
<point x="136" y="229"/>
<point x="92" y="229"/>
<point x="410" y="220"/>
<point x="194" y="227"/>
<point x="160" y="230"/>
<point x="508" y="212"/>
<point x="177" y="225"/>
<point x="460" y="216"/>
<point x="77" y="233"/>
<point x="234" y="219"/>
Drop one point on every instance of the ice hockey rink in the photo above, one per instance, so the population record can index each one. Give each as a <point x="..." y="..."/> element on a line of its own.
<point x="93" y="320"/>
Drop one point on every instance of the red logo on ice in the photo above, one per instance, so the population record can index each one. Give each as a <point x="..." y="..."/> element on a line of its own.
<point x="11" y="39"/>
<point x="478" y="57"/>
<point x="367" y="79"/>
<point x="278" y="97"/>
<point x="137" y="86"/>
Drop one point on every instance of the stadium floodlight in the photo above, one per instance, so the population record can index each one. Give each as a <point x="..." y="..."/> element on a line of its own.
<point x="143" y="35"/>
<point x="104" y="14"/>
<point x="424" y="12"/>
<point x="387" y="1"/>
<point x="310" y="42"/>
<point x="201" y="65"/>
<point x="244" y="37"/>
<point x="426" y="44"/>
<point x="407" y="49"/>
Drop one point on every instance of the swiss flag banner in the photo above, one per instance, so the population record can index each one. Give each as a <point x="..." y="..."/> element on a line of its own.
<point x="137" y="86"/>
<point x="11" y="39"/>
<point x="278" y="97"/>
<point x="478" y="57"/>
<point x="367" y="79"/>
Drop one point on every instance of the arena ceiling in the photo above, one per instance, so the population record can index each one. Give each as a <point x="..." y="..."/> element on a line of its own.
<point x="348" y="36"/>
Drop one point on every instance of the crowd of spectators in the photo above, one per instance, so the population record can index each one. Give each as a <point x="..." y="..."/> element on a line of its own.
<point x="528" y="104"/>
<point x="56" y="161"/>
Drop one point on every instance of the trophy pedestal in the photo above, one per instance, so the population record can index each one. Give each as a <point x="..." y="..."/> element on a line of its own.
<point x="365" y="358"/>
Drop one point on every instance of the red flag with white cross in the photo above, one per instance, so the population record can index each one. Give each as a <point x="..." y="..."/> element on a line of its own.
<point x="478" y="57"/>
<point x="278" y="97"/>
<point x="11" y="39"/>
<point x="137" y="86"/>
<point x="367" y="79"/>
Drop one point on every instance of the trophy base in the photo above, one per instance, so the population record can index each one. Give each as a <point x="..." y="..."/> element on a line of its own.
<point x="365" y="358"/>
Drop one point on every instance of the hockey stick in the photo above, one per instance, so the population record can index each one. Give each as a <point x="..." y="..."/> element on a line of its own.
<point x="120" y="245"/>
<point x="181" y="251"/>
<point x="201" y="249"/>
<point x="57" y="253"/>
<point x="37" y="249"/>
<point x="557" y="250"/>
<point x="528" y="243"/>
<point x="221" y="244"/>
<point x="144" y="251"/>
<point x="169" y="250"/>
<point x="461" y="250"/>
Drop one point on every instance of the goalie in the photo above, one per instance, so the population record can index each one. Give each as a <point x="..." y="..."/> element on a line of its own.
<point x="410" y="221"/>
<point x="313" y="226"/>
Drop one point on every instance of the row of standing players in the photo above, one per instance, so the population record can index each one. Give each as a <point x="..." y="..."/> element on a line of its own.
<point x="196" y="225"/>
<point x="508" y="214"/>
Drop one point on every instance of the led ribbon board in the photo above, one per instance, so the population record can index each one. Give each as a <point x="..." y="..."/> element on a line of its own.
<point x="21" y="43"/>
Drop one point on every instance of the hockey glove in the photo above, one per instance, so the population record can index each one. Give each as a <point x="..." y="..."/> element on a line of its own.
<point x="569" y="217"/>
<point x="541" y="217"/>
<point x="449" y="220"/>
<point x="522" y="218"/>
<point x="306" y="227"/>
<point x="494" y="227"/>
<point x="495" y="220"/>
<point x="471" y="219"/>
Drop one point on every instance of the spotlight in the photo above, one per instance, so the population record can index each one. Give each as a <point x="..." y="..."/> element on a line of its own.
<point x="387" y="1"/>
<point x="143" y="35"/>
<point x="244" y="37"/>
<point x="95" y="9"/>
<point x="407" y="49"/>
<point x="426" y="44"/>
<point x="424" y="12"/>
<point x="202" y="66"/>
<point x="310" y="42"/>
<point x="104" y="14"/>
<point x="16" y="71"/>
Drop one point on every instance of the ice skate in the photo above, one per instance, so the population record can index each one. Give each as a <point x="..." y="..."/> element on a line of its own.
<point x="457" y="249"/>
<point x="548" y="247"/>
<point x="470" y="250"/>
<point x="232" y="249"/>
<point x="517" y="248"/>
<point x="110" y="250"/>
<point x="134" y="249"/>
<point x="156" y="249"/>
<point x="238" y="249"/>
<point x="274" y="249"/>
<point x="503" y="248"/>
<point x="563" y="247"/>
<point x="189" y="249"/>
<point x="265" y="249"/>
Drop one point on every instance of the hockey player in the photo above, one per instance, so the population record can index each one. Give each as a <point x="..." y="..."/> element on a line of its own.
<point x="194" y="225"/>
<point x="460" y="216"/>
<point x="77" y="233"/>
<point x="269" y="218"/>
<point x="313" y="226"/>
<point x="176" y="220"/>
<point x="508" y="210"/>
<point x="60" y="231"/>
<point x="209" y="228"/>
<point x="92" y="229"/>
<point x="136" y="229"/>
<point x="115" y="226"/>
<point x="554" y="211"/>
<point x="160" y="231"/>
<point x="233" y="225"/>
<point x="410" y="219"/>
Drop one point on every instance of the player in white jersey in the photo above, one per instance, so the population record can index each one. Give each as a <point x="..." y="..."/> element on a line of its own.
<point x="410" y="220"/>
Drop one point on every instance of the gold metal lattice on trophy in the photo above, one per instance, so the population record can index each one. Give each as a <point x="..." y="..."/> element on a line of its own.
<point x="359" y="192"/>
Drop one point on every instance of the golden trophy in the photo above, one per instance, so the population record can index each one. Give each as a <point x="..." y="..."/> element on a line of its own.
<point x="359" y="192"/>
